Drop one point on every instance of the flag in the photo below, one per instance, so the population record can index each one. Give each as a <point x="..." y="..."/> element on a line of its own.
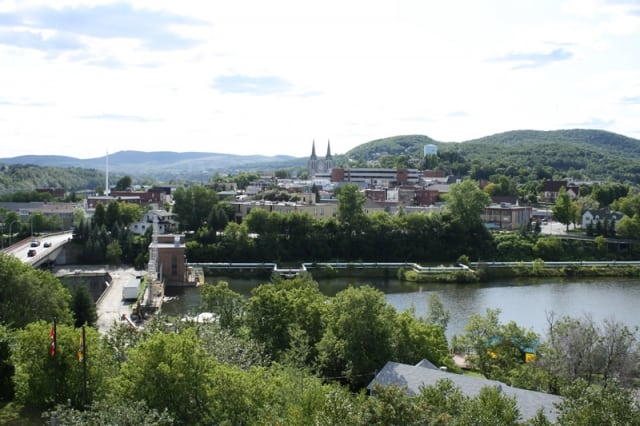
<point x="81" y="349"/>
<point x="52" y="336"/>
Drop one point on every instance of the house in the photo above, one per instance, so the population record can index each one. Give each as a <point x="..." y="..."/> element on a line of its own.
<point x="594" y="216"/>
<point x="166" y="224"/>
<point x="551" y="188"/>
<point x="412" y="378"/>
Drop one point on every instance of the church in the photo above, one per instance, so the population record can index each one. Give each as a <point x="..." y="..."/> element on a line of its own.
<point x="315" y="166"/>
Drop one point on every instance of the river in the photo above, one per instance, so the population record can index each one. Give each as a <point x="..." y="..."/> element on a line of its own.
<point x="526" y="301"/>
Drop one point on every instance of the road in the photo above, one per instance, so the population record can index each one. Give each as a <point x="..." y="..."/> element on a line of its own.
<point x="21" y="251"/>
<point x="110" y="307"/>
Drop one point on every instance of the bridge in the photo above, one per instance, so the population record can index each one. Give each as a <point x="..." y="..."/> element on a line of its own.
<point x="46" y="251"/>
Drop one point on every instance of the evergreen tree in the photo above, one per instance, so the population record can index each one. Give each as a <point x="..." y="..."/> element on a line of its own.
<point x="83" y="307"/>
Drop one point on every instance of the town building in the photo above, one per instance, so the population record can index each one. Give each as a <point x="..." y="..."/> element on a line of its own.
<point x="63" y="210"/>
<point x="376" y="177"/>
<point x="506" y="217"/>
<point x="317" y="211"/>
<point x="171" y="258"/>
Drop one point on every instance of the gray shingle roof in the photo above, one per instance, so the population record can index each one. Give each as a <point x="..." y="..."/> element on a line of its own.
<point x="413" y="377"/>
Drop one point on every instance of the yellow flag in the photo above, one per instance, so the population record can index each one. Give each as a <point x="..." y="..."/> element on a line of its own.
<point x="81" y="350"/>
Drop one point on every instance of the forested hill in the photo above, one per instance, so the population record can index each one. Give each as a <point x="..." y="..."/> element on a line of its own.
<point x="28" y="177"/>
<point x="579" y="153"/>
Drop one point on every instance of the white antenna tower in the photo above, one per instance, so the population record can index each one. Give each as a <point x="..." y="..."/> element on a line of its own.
<point x="153" y="254"/>
<point x="106" y="176"/>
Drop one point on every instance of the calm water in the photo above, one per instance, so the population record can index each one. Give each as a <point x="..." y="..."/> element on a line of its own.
<point x="526" y="302"/>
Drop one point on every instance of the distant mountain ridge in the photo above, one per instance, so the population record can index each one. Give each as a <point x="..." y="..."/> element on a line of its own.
<point x="596" y="154"/>
<point x="159" y="163"/>
<point x="405" y="144"/>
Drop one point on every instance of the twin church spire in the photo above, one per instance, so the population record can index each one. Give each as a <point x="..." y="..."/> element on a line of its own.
<point x="314" y="165"/>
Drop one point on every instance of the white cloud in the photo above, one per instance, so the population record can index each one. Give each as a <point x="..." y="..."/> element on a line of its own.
<point x="269" y="77"/>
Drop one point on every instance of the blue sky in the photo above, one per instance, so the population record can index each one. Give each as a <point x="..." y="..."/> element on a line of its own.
<point x="82" y="78"/>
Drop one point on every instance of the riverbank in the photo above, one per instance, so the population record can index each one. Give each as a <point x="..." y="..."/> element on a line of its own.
<point x="475" y="272"/>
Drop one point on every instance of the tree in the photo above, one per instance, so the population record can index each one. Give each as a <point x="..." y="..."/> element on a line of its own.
<point x="115" y="411"/>
<point x="466" y="202"/>
<point x="497" y="348"/>
<point x="226" y="303"/>
<point x="282" y="174"/>
<point x="7" y="369"/>
<point x="437" y="315"/>
<point x="169" y="371"/>
<point x="27" y="294"/>
<point x="124" y="183"/>
<point x="350" y="204"/>
<point x="548" y="248"/>
<point x="274" y="311"/>
<point x="578" y="348"/>
<point x="114" y="252"/>
<point x="36" y="367"/>
<point x="586" y="404"/>
<point x="99" y="215"/>
<point x="414" y="340"/>
<point x="83" y="307"/>
<point x="112" y="215"/>
<point x="192" y="205"/>
<point x="564" y="210"/>
<point x="359" y="337"/>
<point x="129" y="213"/>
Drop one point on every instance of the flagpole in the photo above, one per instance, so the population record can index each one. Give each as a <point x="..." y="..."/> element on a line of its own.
<point x="84" y="369"/>
<point x="53" y="351"/>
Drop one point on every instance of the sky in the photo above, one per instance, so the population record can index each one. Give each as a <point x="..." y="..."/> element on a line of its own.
<point x="86" y="78"/>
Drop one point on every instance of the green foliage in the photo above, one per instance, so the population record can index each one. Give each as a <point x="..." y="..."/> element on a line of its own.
<point x="114" y="252"/>
<point x="6" y="367"/>
<point x="437" y="314"/>
<point x="117" y="411"/>
<point x="169" y="371"/>
<point x="227" y="304"/>
<point x="578" y="348"/>
<point x="28" y="295"/>
<point x="83" y="307"/>
<point x="359" y="335"/>
<point x="466" y="202"/>
<point x="35" y="368"/>
<point x="26" y="178"/>
<point x="548" y="248"/>
<point x="497" y="348"/>
<point x="565" y="211"/>
<point x="124" y="183"/>
<point x="586" y="404"/>
<point x="193" y="204"/>
<point x="275" y="311"/>
<point x="350" y="204"/>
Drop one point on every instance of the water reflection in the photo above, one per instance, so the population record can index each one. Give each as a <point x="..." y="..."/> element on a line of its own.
<point x="525" y="301"/>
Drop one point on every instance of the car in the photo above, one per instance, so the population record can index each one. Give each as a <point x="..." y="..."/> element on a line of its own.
<point x="35" y="243"/>
<point x="31" y="252"/>
<point x="47" y="244"/>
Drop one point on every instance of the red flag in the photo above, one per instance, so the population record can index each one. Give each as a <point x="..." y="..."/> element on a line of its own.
<point x="52" y="336"/>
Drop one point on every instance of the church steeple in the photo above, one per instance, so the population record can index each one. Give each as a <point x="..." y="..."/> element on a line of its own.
<point x="328" y="157"/>
<point x="313" y="151"/>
